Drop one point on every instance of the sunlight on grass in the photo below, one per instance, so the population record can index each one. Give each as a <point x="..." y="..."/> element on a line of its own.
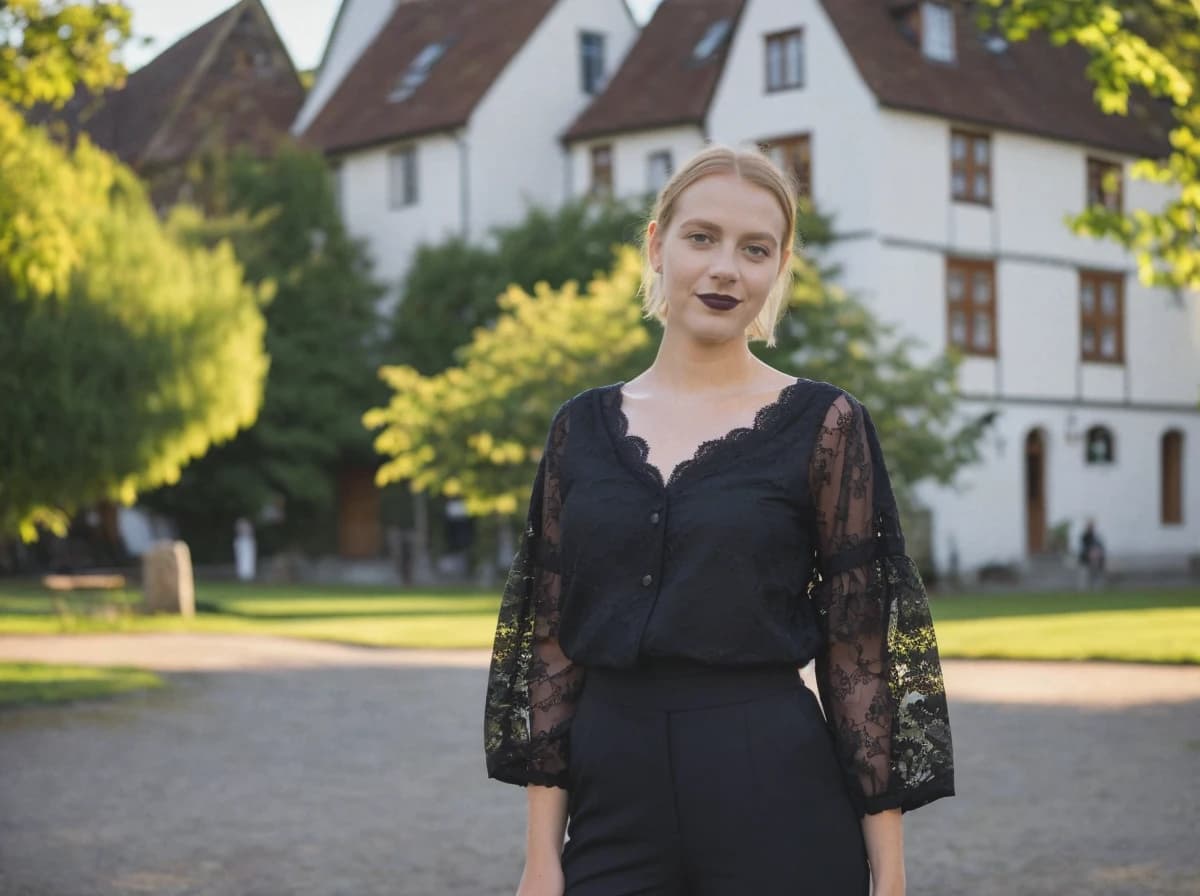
<point x="34" y="683"/>
<point x="1131" y="625"/>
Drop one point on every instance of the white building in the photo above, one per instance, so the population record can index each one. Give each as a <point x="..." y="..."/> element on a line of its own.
<point x="949" y="161"/>
<point x="442" y="118"/>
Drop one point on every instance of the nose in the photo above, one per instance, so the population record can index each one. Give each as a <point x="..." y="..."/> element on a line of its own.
<point x="723" y="266"/>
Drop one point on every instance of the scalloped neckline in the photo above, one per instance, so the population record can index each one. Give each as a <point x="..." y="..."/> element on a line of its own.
<point x="638" y="449"/>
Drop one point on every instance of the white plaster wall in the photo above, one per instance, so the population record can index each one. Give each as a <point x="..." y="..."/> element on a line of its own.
<point x="1162" y="344"/>
<point x="1123" y="497"/>
<point x="1038" y="324"/>
<point x="358" y="23"/>
<point x="913" y="179"/>
<point x="1102" y="382"/>
<point x="833" y="106"/>
<point x="515" y="157"/>
<point x="392" y="235"/>
<point x="631" y="158"/>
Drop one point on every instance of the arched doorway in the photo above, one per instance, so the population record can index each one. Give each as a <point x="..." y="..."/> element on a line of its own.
<point x="1035" y="491"/>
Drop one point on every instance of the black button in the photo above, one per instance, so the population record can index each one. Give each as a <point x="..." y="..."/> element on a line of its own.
<point x="654" y="517"/>
<point x="647" y="579"/>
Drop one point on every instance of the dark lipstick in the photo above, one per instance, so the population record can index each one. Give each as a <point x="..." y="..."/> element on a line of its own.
<point x="718" y="301"/>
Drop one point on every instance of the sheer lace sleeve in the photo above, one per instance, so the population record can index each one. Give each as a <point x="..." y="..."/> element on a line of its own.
<point x="879" y="676"/>
<point x="532" y="685"/>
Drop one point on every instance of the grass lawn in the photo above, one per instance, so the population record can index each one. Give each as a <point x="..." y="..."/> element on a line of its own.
<point x="1152" y="625"/>
<point x="29" y="683"/>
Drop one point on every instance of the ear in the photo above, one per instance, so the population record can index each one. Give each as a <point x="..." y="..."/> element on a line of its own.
<point x="654" y="245"/>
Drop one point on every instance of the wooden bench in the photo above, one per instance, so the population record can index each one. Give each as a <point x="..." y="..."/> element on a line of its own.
<point x="105" y="594"/>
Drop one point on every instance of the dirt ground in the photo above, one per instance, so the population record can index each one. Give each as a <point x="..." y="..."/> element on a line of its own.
<point x="275" y="767"/>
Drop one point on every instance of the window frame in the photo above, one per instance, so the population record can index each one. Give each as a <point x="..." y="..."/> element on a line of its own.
<point x="970" y="168"/>
<point x="1096" y="168"/>
<point x="788" y="143"/>
<point x="403" y="193"/>
<point x="970" y="306"/>
<point x="595" y="187"/>
<point x="659" y="154"/>
<point x="784" y="38"/>
<point x="1097" y="319"/>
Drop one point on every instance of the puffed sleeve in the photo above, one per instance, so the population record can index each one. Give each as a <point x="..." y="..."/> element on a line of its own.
<point x="532" y="685"/>
<point x="879" y="674"/>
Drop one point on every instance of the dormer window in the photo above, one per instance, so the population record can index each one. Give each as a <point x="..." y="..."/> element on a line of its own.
<point x="417" y="71"/>
<point x="712" y="40"/>
<point x="937" y="32"/>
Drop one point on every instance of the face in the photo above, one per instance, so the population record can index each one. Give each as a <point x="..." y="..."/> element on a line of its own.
<point x="719" y="256"/>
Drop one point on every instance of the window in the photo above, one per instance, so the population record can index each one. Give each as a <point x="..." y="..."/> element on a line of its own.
<point x="1101" y="303"/>
<point x="402" y="177"/>
<point x="937" y="32"/>
<point x="971" y="167"/>
<point x="418" y="70"/>
<point x="1104" y="184"/>
<point x="658" y="169"/>
<point x="1098" y="445"/>
<point x="591" y="54"/>
<point x="712" y="40"/>
<point x="785" y="60"/>
<point x="793" y="155"/>
<point x="1172" y="477"/>
<point x="602" y="170"/>
<point x="971" y="305"/>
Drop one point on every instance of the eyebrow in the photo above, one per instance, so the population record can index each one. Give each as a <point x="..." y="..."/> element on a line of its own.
<point x="701" y="222"/>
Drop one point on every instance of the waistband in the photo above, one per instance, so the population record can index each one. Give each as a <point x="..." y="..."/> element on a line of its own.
<point x="670" y="683"/>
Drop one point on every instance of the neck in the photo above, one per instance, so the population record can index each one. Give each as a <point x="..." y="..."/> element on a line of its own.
<point x="684" y="366"/>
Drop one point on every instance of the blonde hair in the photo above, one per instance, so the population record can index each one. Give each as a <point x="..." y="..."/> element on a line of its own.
<point x="754" y="167"/>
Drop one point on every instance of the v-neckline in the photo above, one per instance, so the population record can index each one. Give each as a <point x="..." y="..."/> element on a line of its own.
<point x="636" y="449"/>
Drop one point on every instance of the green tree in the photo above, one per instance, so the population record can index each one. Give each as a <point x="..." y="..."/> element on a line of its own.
<point x="1151" y="46"/>
<point x="322" y="340"/>
<point x="124" y="352"/>
<point x="476" y="430"/>
<point x="451" y="287"/>
<point x="48" y="49"/>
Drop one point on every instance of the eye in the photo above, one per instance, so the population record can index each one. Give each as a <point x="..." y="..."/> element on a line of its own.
<point x="762" y="251"/>
<point x="703" y="236"/>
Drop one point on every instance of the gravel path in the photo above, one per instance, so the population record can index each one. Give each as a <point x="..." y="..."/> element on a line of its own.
<point x="276" y="767"/>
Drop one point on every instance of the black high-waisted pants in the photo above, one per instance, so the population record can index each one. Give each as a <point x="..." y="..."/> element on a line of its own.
<point x="694" y="780"/>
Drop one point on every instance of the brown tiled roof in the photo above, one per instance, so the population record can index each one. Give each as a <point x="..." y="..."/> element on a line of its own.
<point x="1031" y="87"/>
<point x="484" y="36"/>
<point x="130" y="121"/>
<point x="660" y="84"/>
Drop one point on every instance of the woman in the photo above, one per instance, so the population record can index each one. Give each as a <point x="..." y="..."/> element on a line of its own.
<point x="694" y="537"/>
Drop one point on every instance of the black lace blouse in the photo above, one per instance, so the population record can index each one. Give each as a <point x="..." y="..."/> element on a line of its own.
<point x="775" y="543"/>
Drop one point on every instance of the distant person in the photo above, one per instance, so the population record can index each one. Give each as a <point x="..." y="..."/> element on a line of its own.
<point x="644" y="683"/>
<point x="244" y="549"/>
<point x="1091" y="556"/>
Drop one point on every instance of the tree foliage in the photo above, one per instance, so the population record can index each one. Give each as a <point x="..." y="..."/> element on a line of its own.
<point x="451" y="287"/>
<point x="476" y="430"/>
<point x="321" y="337"/>
<point x="124" y="352"/>
<point x="49" y="48"/>
<point x="1135" y="45"/>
